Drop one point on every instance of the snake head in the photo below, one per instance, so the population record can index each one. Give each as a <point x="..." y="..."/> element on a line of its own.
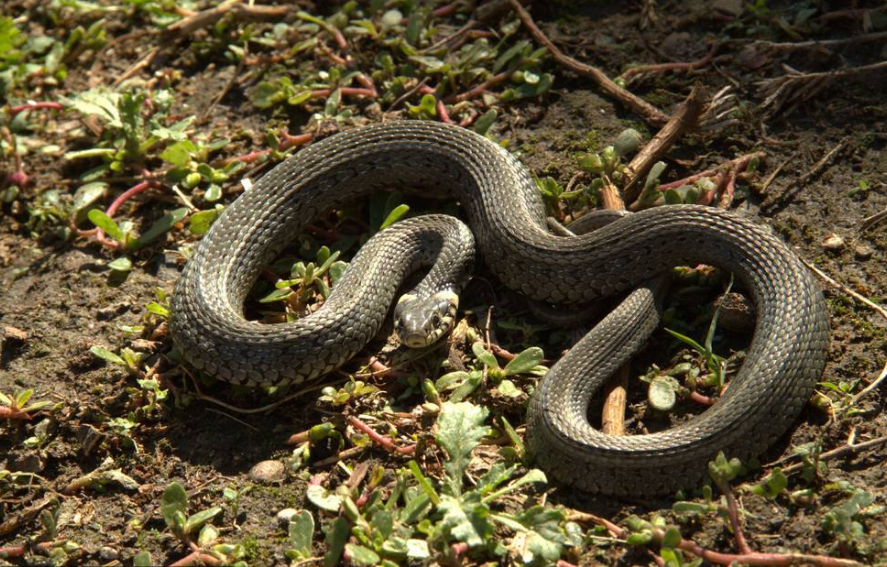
<point x="420" y="321"/>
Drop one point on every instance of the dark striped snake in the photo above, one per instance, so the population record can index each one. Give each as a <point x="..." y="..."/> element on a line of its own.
<point x="507" y="219"/>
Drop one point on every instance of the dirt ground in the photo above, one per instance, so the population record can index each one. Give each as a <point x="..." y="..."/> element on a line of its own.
<point x="59" y="299"/>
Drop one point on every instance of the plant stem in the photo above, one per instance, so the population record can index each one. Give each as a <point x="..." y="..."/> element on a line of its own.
<point x="13" y="110"/>
<point x="385" y="442"/>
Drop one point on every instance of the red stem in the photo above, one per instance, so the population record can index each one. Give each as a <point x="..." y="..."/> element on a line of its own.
<point x="441" y="107"/>
<point x="482" y="88"/>
<point x="346" y="91"/>
<point x="7" y="412"/>
<point x="13" y="110"/>
<point x="286" y="143"/>
<point x="196" y="558"/>
<point x="752" y="558"/>
<point x="733" y="513"/>
<point x="702" y="399"/>
<point x="443" y="10"/>
<point x="385" y="442"/>
<point x="14" y="551"/>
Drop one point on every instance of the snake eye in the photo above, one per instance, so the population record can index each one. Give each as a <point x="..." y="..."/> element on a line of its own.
<point x="435" y="319"/>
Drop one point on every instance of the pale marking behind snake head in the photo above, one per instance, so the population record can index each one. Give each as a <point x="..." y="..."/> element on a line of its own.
<point x="421" y="321"/>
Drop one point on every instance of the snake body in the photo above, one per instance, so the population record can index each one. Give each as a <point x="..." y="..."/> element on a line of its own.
<point x="507" y="218"/>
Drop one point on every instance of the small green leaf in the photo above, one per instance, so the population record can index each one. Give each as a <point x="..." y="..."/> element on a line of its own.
<point x="142" y="559"/>
<point x="524" y="361"/>
<point x="179" y="154"/>
<point x="163" y="224"/>
<point x="672" y="537"/>
<point x="276" y="295"/>
<point x="174" y="500"/>
<point x="121" y="264"/>
<point x="208" y="535"/>
<point x="394" y="216"/>
<point x="200" y="222"/>
<point x="336" y="535"/>
<point x="322" y="498"/>
<point x="465" y="519"/>
<point x="106" y="223"/>
<point x="197" y="520"/>
<point x="460" y="430"/>
<point x="507" y="388"/>
<point x="684" y="507"/>
<point x="484" y="355"/>
<point x="107" y="355"/>
<point x="485" y="122"/>
<point x="301" y="532"/>
<point x="22" y="398"/>
<point x="661" y="394"/>
<point x="361" y="555"/>
<point x="424" y="483"/>
<point x="639" y="539"/>
<point x="87" y="195"/>
<point x="427" y="107"/>
<point x="722" y="471"/>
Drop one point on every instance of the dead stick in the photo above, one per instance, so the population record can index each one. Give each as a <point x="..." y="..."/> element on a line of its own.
<point x="849" y="449"/>
<point x="648" y="113"/>
<point x="672" y="66"/>
<point x="802" y="181"/>
<point x="683" y="120"/>
<point x="616" y="389"/>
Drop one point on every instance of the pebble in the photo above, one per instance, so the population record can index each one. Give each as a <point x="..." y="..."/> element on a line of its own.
<point x="107" y="553"/>
<point x="833" y="242"/>
<point x="285" y="516"/>
<point x="864" y="252"/>
<point x="14" y="335"/>
<point x="267" y="472"/>
<point x="737" y="313"/>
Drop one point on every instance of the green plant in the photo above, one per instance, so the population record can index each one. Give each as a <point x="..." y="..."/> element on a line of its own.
<point x="844" y="521"/>
<point x="463" y="383"/>
<point x="174" y="507"/>
<point x="420" y="518"/>
<point x="17" y="407"/>
<point x="716" y="364"/>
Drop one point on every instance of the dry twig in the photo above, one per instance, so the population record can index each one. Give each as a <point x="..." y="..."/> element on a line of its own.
<point x="683" y="120"/>
<point x="794" y="88"/>
<point x="867" y="302"/>
<point x="648" y="113"/>
<point x="816" y="170"/>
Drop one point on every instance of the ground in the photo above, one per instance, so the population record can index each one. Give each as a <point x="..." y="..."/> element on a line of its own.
<point x="89" y="338"/>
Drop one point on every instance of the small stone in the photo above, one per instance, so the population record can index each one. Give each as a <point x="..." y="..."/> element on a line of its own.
<point x="112" y="311"/>
<point x="285" y="516"/>
<point x="14" y="335"/>
<point x="267" y="472"/>
<point x="108" y="553"/>
<point x="833" y="242"/>
<point x="863" y="252"/>
<point x="737" y="313"/>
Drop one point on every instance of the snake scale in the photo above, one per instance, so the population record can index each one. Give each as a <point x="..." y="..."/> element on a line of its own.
<point x="507" y="218"/>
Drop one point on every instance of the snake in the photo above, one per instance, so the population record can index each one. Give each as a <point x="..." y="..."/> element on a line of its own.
<point x="507" y="219"/>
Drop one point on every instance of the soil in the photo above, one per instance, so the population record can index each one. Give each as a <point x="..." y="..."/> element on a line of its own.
<point x="58" y="292"/>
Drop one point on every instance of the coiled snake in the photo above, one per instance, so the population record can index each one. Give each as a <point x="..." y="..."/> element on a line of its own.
<point x="507" y="217"/>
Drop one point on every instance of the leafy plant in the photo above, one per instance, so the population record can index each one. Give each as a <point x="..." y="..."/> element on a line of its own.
<point x="308" y="280"/>
<point x="716" y="364"/>
<point x="463" y="383"/>
<point x="844" y="523"/>
<point x="774" y="484"/>
<point x="174" y="508"/>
